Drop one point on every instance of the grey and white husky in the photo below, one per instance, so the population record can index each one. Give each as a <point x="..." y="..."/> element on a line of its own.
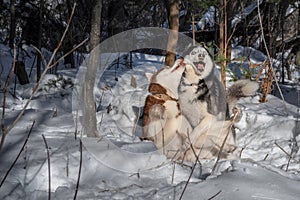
<point x="201" y="91"/>
<point x="207" y="106"/>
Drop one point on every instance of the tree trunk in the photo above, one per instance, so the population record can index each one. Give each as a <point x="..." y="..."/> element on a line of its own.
<point x="39" y="57"/>
<point x="283" y="7"/>
<point x="12" y="32"/>
<point x="223" y="40"/>
<point x="89" y="110"/>
<point x="67" y="46"/>
<point x="173" y="13"/>
<point x="298" y="28"/>
<point x="21" y="73"/>
<point x="1" y="6"/>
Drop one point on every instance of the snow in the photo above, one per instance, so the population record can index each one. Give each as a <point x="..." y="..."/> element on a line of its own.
<point x="245" y="12"/>
<point x="120" y="165"/>
<point x="208" y="19"/>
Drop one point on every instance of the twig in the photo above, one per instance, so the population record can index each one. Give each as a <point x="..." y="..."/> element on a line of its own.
<point x="289" y="155"/>
<point x="49" y="170"/>
<point x="266" y="156"/>
<point x="35" y="89"/>
<point x="190" y="176"/>
<point x="223" y="144"/>
<point x="79" y="172"/>
<point x="215" y="195"/>
<point x="163" y="137"/>
<point x="21" y="150"/>
<point x="194" y="152"/>
<point x="69" y="52"/>
<point x="282" y="149"/>
<point x="41" y="54"/>
<point x="173" y="173"/>
<point x="220" y="151"/>
<point x="289" y="161"/>
<point x="269" y="56"/>
<point x="3" y="129"/>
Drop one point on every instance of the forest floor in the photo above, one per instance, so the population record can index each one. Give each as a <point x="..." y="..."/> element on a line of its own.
<point x="120" y="165"/>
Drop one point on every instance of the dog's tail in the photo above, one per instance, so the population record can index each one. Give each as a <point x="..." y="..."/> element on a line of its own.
<point x="241" y="88"/>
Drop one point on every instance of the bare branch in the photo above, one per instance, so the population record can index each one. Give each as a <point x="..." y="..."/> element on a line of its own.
<point x="289" y="155"/>
<point x="194" y="166"/>
<point x="48" y="66"/>
<point x="215" y="195"/>
<point x="224" y="141"/>
<point x="79" y="172"/>
<point x="21" y="150"/>
<point x="49" y="170"/>
<point x="3" y="129"/>
<point x="269" y="56"/>
<point x="68" y="53"/>
<point x="41" y="54"/>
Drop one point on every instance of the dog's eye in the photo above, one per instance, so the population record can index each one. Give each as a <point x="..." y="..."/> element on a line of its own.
<point x="193" y="53"/>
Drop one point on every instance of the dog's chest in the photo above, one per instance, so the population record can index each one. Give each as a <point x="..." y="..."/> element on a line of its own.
<point x="192" y="108"/>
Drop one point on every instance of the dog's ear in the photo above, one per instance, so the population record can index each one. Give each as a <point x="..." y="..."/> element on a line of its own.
<point x="187" y="50"/>
<point x="148" y="75"/>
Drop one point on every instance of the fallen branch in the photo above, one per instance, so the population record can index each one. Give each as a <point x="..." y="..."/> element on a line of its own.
<point x="215" y="195"/>
<point x="49" y="170"/>
<point x="289" y="155"/>
<point x="19" y="154"/>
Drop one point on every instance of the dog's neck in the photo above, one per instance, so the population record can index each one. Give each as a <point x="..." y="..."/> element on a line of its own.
<point x="189" y="84"/>
<point x="160" y="92"/>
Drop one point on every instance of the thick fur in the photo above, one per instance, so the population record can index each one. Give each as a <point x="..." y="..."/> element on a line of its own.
<point x="189" y="122"/>
<point x="163" y="122"/>
<point x="200" y="89"/>
<point x="241" y="88"/>
<point x="206" y="105"/>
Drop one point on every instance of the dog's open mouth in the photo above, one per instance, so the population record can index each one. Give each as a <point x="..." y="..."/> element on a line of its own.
<point x="200" y="65"/>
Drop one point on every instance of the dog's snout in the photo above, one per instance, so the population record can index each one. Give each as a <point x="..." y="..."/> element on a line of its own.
<point x="201" y="56"/>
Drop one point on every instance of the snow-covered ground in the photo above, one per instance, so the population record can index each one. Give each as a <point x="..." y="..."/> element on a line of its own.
<point x="120" y="165"/>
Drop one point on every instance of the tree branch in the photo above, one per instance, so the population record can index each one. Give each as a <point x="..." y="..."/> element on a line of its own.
<point x="268" y="54"/>
<point x="49" y="169"/>
<point x="21" y="150"/>
<point x="48" y="66"/>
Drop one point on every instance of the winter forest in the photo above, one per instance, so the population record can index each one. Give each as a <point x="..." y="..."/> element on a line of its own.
<point x="172" y="99"/>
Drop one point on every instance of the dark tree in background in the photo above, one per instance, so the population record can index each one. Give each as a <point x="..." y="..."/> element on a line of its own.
<point x="41" y="24"/>
<point x="12" y="32"/>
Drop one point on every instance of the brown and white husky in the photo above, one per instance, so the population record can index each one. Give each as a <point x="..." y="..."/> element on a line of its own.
<point x="163" y="122"/>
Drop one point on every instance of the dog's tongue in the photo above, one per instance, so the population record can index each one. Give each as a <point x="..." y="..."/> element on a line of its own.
<point x="200" y="66"/>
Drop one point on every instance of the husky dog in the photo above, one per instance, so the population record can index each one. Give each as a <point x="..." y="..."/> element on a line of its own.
<point x="207" y="106"/>
<point x="201" y="91"/>
<point x="163" y="122"/>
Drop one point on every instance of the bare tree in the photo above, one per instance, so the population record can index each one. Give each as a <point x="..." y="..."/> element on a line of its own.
<point x="173" y="13"/>
<point x="12" y="32"/>
<point x="39" y="57"/>
<point x="226" y="14"/>
<point x="89" y="110"/>
<point x="222" y="40"/>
